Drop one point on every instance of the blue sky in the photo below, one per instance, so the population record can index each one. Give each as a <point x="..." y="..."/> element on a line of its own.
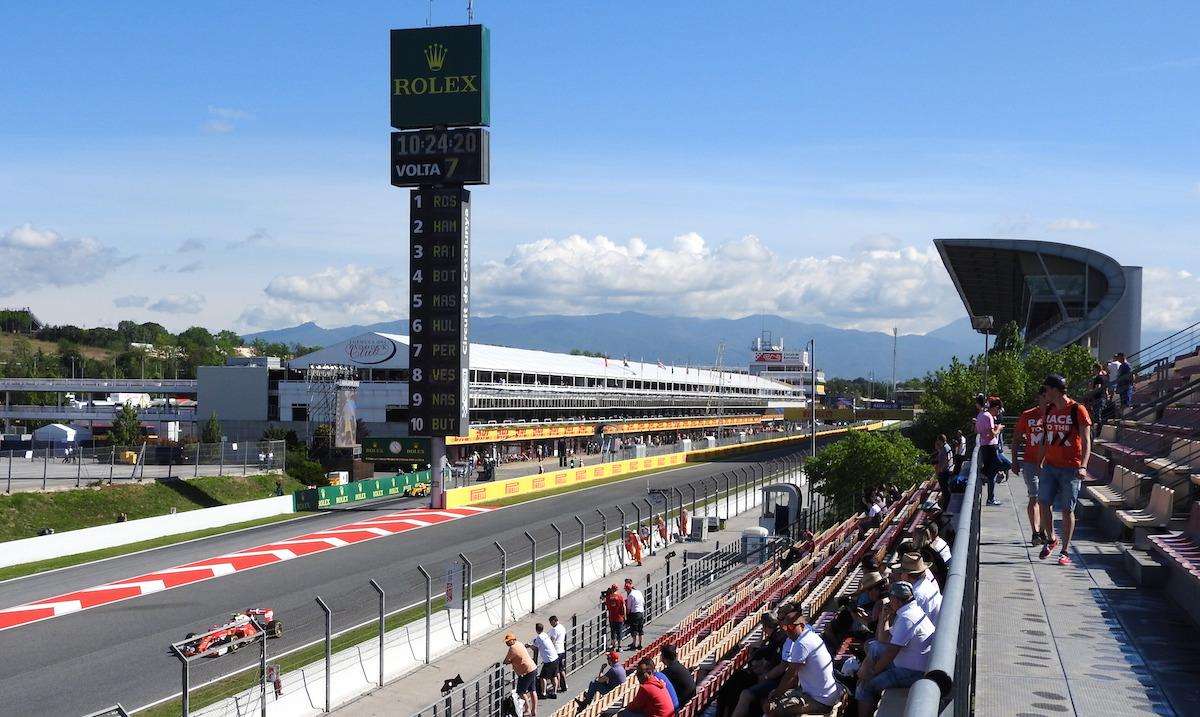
<point x="225" y="163"/>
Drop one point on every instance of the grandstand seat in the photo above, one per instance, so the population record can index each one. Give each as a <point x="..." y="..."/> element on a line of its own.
<point x="1134" y="446"/>
<point x="1180" y="421"/>
<point x="1099" y="470"/>
<point x="1181" y="553"/>
<point x="1123" y="490"/>
<point x="1184" y="457"/>
<point x="1156" y="515"/>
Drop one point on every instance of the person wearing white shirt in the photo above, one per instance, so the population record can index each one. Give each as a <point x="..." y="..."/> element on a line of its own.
<point x="903" y="655"/>
<point x="926" y="592"/>
<point x="635" y="614"/>
<point x="558" y="635"/>
<point x="809" y="675"/>
<point x="548" y="656"/>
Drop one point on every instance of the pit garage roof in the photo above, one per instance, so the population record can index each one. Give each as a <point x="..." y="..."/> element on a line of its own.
<point x="390" y="351"/>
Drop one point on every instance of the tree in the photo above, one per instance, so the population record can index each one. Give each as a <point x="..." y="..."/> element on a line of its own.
<point x="862" y="460"/>
<point x="126" y="429"/>
<point x="211" y="432"/>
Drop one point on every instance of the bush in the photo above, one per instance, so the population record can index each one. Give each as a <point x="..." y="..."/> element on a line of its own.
<point x="842" y="471"/>
<point x="305" y="469"/>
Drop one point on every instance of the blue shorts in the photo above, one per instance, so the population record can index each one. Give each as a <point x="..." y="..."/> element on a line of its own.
<point x="892" y="676"/>
<point x="1060" y="487"/>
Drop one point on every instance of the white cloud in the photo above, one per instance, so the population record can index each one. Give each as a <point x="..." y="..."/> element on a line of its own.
<point x="32" y="258"/>
<point x="223" y="120"/>
<point x="191" y="267"/>
<point x="339" y="295"/>
<point x="188" y="245"/>
<point x="1068" y="224"/>
<point x="1169" y="298"/>
<point x="125" y="302"/>
<point x="179" y="304"/>
<point x="869" y="288"/>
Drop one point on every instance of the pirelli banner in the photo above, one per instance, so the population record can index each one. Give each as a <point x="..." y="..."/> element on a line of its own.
<point x="498" y="490"/>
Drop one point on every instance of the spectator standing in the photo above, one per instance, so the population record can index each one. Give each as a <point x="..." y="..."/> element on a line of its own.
<point x="902" y="656"/>
<point x="1124" y="381"/>
<point x="614" y="605"/>
<point x="652" y="698"/>
<point x="612" y="675"/>
<point x="548" y="657"/>
<point x="960" y="451"/>
<point x="1066" y="447"/>
<point x="1030" y="431"/>
<point x="943" y="461"/>
<point x="808" y="685"/>
<point x="988" y="441"/>
<point x="678" y="674"/>
<point x="526" y="672"/>
<point x="1099" y="391"/>
<point x="558" y="635"/>
<point x="635" y="614"/>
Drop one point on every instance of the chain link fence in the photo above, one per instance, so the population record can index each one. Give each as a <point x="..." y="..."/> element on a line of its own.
<point x="72" y="466"/>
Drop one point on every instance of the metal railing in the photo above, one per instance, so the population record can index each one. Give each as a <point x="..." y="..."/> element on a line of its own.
<point x="948" y="684"/>
<point x="38" y="467"/>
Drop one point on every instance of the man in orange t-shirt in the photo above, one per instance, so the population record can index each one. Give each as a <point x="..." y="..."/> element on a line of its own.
<point x="1066" y="447"/>
<point x="1029" y="434"/>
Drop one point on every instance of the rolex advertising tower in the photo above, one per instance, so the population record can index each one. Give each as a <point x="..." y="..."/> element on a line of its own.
<point x="439" y="89"/>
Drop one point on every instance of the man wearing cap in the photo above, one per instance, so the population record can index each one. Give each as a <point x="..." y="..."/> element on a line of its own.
<point x="1030" y="432"/>
<point x="913" y="569"/>
<point x="526" y="672"/>
<point x="612" y="675"/>
<point x="614" y="605"/>
<point x="635" y="614"/>
<point x="1066" y="447"/>
<point x="808" y="687"/>
<point x="902" y="656"/>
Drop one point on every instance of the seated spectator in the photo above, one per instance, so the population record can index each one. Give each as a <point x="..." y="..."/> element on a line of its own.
<point x="928" y="594"/>
<point x="677" y="674"/>
<point x="767" y="666"/>
<point x="867" y="603"/>
<point x="666" y="683"/>
<point x="901" y="655"/>
<point x="935" y="550"/>
<point x="652" y="698"/>
<point x="612" y="675"/>
<point x="808" y="685"/>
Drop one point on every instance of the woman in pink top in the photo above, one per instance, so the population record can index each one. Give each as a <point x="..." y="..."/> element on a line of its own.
<point x="987" y="433"/>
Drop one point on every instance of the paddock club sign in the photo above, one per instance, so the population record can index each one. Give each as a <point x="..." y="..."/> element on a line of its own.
<point x="440" y="77"/>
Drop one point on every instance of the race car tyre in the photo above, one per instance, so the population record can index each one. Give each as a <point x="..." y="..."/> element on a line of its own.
<point x="275" y="628"/>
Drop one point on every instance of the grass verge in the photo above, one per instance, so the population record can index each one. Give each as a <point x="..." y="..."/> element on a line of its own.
<point x="16" y="571"/>
<point x="23" y="514"/>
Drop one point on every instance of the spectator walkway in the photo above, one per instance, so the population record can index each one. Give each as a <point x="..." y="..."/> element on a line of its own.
<point x="1078" y="640"/>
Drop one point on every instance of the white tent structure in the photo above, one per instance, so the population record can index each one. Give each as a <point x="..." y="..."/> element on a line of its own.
<point x="58" y="434"/>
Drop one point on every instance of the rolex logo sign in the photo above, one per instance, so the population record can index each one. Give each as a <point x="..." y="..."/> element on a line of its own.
<point x="439" y="77"/>
<point x="435" y="55"/>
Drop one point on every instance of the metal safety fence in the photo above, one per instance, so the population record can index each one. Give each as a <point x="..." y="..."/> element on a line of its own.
<point x="76" y="465"/>
<point x="948" y="685"/>
<point x="401" y="617"/>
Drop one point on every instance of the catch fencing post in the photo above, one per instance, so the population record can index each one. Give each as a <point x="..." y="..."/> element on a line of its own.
<point x="112" y="460"/>
<point x="428" y="607"/>
<point x="382" y="612"/>
<point x="468" y="578"/>
<point x="221" y="457"/>
<point x="621" y="537"/>
<point x="638" y="528"/>
<point x="503" y="582"/>
<point x="678" y="521"/>
<point x="78" y="467"/>
<point x="558" y="532"/>
<point x="582" y="551"/>
<point x="185" y="709"/>
<point x="328" y="653"/>
<point x="748" y="483"/>
<point x="243" y="458"/>
<point x="650" y="522"/>
<point x="262" y="672"/>
<point x="532" y="572"/>
<point x="603" y="543"/>
<point x="9" y="488"/>
<point x="45" y="465"/>
<point x="196" y="469"/>
<point x="170" y="463"/>
<point x="693" y="487"/>
<point x="728" y="515"/>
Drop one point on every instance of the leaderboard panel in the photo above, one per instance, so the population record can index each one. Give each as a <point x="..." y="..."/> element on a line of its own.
<point x="439" y="311"/>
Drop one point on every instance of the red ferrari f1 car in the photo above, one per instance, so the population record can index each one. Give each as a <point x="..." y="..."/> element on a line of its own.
<point x="243" y="627"/>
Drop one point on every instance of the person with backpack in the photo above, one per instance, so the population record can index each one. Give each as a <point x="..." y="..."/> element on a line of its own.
<point x="1028" y="441"/>
<point x="987" y="436"/>
<point x="1063" y="459"/>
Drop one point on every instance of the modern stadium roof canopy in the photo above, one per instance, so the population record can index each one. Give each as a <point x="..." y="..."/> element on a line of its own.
<point x="1058" y="294"/>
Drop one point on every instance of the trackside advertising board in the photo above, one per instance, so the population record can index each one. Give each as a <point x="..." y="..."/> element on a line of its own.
<point x="331" y="496"/>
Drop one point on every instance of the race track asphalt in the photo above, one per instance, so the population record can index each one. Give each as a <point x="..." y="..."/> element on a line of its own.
<point x="77" y="663"/>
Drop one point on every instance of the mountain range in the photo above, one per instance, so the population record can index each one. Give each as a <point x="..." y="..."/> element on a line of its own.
<point x="846" y="353"/>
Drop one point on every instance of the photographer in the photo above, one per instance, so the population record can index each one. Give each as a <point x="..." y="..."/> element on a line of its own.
<point x="614" y="606"/>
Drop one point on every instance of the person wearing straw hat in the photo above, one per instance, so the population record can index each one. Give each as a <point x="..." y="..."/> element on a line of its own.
<point x="869" y="600"/>
<point x="913" y="569"/>
<point x="525" y="670"/>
